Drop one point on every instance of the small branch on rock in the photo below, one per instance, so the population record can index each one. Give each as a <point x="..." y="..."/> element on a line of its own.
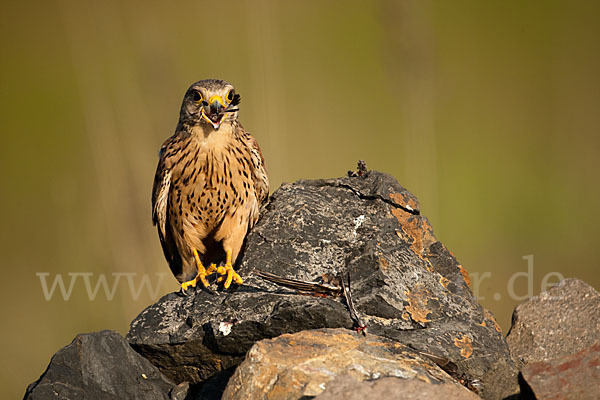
<point x="330" y="287"/>
<point x="360" y="326"/>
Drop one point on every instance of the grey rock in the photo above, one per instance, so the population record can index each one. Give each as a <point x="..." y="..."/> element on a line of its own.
<point x="558" y="322"/>
<point x="406" y="285"/>
<point x="99" y="365"/>
<point x="180" y="392"/>
<point x="199" y="336"/>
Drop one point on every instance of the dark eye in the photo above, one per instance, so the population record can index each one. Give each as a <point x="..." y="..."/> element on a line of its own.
<point x="230" y="95"/>
<point x="197" y="96"/>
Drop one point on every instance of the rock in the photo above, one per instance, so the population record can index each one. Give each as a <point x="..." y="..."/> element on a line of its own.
<point x="574" y="377"/>
<point x="99" y="365"/>
<point x="559" y="322"/>
<point x="195" y="338"/>
<point x="348" y="388"/>
<point x="406" y="285"/>
<point x="302" y="364"/>
<point x="180" y="392"/>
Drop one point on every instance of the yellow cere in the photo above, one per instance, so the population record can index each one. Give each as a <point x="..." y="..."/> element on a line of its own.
<point x="218" y="98"/>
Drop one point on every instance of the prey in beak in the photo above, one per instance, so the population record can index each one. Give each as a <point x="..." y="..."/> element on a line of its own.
<point x="214" y="111"/>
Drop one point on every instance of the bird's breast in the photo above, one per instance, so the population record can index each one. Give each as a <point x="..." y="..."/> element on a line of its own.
<point x="213" y="180"/>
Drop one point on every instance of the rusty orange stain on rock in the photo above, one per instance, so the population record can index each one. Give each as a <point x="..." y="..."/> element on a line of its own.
<point x="399" y="234"/>
<point x="415" y="229"/>
<point x="490" y="317"/>
<point x="383" y="262"/>
<point x="405" y="316"/>
<point x="464" y="344"/>
<point x="417" y="303"/>
<point x="404" y="201"/>
<point x="465" y="275"/>
<point x="444" y="281"/>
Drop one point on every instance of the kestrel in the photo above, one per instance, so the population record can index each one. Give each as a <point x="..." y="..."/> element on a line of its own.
<point x="208" y="188"/>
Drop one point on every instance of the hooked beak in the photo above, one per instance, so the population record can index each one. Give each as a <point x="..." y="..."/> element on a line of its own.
<point x="214" y="112"/>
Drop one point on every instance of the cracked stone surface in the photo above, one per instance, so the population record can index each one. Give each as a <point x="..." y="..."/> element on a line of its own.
<point x="406" y="286"/>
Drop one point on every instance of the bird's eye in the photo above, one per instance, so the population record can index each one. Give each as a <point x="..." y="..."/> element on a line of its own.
<point x="230" y="95"/>
<point x="197" y="96"/>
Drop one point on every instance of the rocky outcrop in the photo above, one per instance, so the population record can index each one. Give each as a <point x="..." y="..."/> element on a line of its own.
<point x="427" y="335"/>
<point x="100" y="365"/>
<point x="407" y="287"/>
<point x="302" y="364"/>
<point x="559" y="322"/>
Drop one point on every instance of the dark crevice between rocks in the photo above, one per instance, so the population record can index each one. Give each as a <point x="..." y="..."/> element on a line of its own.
<point x="213" y="387"/>
<point x="526" y="391"/>
<point x="363" y="196"/>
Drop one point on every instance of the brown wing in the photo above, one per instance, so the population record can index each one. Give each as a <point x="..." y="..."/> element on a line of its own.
<point x="259" y="173"/>
<point x="160" y="211"/>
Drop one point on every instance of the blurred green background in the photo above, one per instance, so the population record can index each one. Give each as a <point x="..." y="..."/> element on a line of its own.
<point x="487" y="110"/>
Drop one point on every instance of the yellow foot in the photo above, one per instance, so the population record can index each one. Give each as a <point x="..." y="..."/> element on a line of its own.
<point x="202" y="273"/>
<point x="187" y="284"/>
<point x="228" y="274"/>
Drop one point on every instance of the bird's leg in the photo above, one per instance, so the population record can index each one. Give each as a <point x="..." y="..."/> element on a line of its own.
<point x="201" y="274"/>
<point x="227" y="273"/>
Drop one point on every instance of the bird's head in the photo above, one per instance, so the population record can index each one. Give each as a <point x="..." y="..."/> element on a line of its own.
<point x="211" y="102"/>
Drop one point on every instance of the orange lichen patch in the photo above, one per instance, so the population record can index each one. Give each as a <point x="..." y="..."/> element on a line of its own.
<point x="404" y="201"/>
<point x="465" y="275"/>
<point x="417" y="304"/>
<point x="414" y="229"/>
<point x="490" y="317"/>
<point x="405" y="316"/>
<point x="444" y="281"/>
<point x="464" y="344"/>
<point x="398" y="345"/>
<point x="383" y="262"/>
<point x="401" y="234"/>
